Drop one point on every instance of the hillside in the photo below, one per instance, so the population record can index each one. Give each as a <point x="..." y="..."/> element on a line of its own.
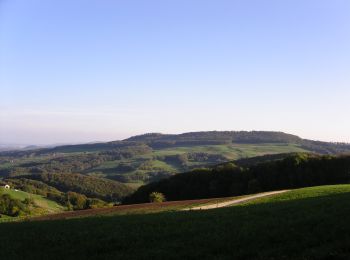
<point x="42" y="194"/>
<point x="147" y="158"/>
<point x="90" y="186"/>
<point x="282" y="172"/>
<point x="40" y="204"/>
<point x="309" y="223"/>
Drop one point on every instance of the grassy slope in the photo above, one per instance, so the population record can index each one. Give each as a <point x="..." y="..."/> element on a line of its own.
<point x="47" y="206"/>
<point x="306" y="223"/>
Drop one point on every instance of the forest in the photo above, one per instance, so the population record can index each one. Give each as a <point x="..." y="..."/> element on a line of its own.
<point x="225" y="180"/>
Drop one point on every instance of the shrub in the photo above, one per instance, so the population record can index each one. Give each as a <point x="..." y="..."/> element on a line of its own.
<point x="156" y="197"/>
<point x="12" y="207"/>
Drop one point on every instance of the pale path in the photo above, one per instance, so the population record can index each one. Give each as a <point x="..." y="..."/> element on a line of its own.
<point x="236" y="201"/>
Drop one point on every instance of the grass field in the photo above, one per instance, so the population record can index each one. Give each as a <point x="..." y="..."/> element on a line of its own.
<point x="310" y="223"/>
<point x="234" y="151"/>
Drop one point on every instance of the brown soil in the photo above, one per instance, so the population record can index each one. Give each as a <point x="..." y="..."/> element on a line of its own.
<point x="126" y="208"/>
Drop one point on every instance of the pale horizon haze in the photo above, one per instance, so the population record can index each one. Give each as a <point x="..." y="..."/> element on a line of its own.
<point x="83" y="71"/>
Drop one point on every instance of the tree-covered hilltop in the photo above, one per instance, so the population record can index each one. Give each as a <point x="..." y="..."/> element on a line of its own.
<point x="219" y="136"/>
<point x="157" y="140"/>
<point x="293" y="171"/>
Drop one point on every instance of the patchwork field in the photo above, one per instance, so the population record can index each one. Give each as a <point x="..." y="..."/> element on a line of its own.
<point x="151" y="167"/>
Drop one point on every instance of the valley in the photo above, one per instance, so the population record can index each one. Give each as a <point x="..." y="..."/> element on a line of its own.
<point x="100" y="175"/>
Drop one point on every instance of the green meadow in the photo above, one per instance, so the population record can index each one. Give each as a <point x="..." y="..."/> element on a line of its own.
<point x="308" y="223"/>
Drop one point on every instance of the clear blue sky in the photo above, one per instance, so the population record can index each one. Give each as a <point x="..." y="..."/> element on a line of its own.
<point x="83" y="70"/>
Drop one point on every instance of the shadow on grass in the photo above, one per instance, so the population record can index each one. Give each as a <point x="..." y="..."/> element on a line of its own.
<point x="310" y="228"/>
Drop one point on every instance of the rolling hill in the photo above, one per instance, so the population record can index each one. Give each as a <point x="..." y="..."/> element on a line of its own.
<point x="151" y="157"/>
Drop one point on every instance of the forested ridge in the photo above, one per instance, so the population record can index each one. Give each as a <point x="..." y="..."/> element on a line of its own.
<point x="289" y="172"/>
<point x="158" y="140"/>
<point x="238" y="137"/>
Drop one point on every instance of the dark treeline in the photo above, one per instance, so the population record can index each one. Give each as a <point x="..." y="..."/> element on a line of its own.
<point x="251" y="161"/>
<point x="294" y="171"/>
<point x="156" y="140"/>
<point x="220" y="136"/>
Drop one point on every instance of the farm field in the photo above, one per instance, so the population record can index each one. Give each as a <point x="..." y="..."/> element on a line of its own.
<point x="234" y="151"/>
<point x="308" y="223"/>
<point x="144" y="208"/>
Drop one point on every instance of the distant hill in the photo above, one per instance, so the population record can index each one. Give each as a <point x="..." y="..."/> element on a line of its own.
<point x="151" y="157"/>
<point x="238" y="137"/>
<point x="220" y="137"/>
<point x="158" y="140"/>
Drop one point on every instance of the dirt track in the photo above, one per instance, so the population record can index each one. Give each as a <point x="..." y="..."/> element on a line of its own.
<point x="236" y="201"/>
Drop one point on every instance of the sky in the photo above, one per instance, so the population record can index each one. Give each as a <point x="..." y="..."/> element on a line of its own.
<point x="92" y="70"/>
